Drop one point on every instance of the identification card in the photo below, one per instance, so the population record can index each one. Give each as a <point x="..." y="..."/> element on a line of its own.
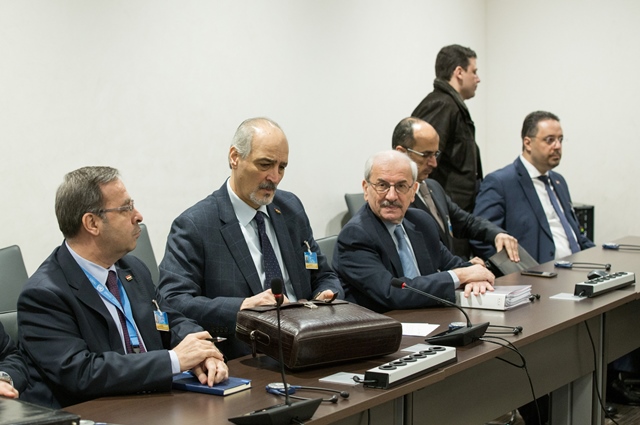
<point x="162" y="321"/>
<point x="311" y="260"/>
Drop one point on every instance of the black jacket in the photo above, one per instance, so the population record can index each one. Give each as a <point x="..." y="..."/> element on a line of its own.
<point x="459" y="167"/>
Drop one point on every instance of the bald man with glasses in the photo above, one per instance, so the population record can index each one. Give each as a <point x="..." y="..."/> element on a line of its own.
<point x="386" y="239"/>
<point x="419" y="140"/>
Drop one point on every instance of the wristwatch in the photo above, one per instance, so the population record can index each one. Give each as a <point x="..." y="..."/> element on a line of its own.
<point x="4" y="376"/>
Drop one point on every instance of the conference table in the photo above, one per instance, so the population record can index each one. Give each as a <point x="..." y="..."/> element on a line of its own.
<point x="566" y="344"/>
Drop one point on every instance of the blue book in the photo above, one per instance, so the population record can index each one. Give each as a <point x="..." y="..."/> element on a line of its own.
<point x="185" y="381"/>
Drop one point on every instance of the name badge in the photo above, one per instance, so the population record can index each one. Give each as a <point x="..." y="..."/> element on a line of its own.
<point x="162" y="320"/>
<point x="310" y="258"/>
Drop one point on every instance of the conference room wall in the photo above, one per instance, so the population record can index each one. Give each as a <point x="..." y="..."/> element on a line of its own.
<point x="157" y="89"/>
<point x="579" y="60"/>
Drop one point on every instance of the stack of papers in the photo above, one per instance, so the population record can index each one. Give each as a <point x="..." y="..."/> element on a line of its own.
<point x="502" y="298"/>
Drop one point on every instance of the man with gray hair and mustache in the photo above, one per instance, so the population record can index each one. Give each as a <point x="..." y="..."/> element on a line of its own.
<point x="386" y="239"/>
<point x="223" y="252"/>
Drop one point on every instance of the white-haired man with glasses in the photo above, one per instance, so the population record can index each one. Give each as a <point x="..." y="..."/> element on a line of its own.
<point x="386" y="239"/>
<point x="419" y="140"/>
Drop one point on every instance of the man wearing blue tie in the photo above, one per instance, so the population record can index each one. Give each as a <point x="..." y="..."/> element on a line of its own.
<point x="529" y="200"/>
<point x="386" y="239"/>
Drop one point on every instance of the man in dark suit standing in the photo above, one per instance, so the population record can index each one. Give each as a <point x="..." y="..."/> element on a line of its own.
<point x="529" y="200"/>
<point x="419" y="140"/>
<point x="386" y="239"/>
<point x="13" y="371"/>
<point x="223" y="252"/>
<point x="91" y="322"/>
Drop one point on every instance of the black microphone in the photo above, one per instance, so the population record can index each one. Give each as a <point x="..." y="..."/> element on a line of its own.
<point x="455" y="338"/>
<point x="280" y="414"/>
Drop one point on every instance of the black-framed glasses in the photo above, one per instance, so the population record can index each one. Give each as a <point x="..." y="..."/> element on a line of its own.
<point x="427" y="154"/>
<point x="384" y="187"/>
<point x="125" y="208"/>
<point x="550" y="140"/>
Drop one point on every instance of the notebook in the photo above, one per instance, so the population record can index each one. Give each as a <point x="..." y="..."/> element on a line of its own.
<point x="187" y="382"/>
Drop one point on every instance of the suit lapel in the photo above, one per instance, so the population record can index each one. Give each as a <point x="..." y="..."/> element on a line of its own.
<point x="419" y="246"/>
<point x="524" y="179"/>
<point x="233" y="237"/>
<point x="386" y="242"/>
<point x="287" y="249"/>
<point x="441" y="205"/>
<point x="87" y="294"/>
<point x="563" y="196"/>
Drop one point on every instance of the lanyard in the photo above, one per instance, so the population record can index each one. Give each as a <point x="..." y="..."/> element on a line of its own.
<point x="125" y="308"/>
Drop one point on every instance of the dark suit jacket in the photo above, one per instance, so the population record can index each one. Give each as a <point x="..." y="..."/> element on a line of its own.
<point x="71" y="342"/>
<point x="463" y="224"/>
<point x="207" y="270"/>
<point x="11" y="361"/>
<point x="459" y="166"/>
<point x="366" y="260"/>
<point x="508" y="198"/>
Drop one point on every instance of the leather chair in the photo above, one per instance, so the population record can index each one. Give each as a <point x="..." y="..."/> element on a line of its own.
<point x="327" y="246"/>
<point x="144" y="251"/>
<point x="13" y="276"/>
<point x="354" y="202"/>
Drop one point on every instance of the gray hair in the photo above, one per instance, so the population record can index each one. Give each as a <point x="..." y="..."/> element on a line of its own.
<point x="390" y="155"/>
<point x="243" y="137"/>
<point x="80" y="193"/>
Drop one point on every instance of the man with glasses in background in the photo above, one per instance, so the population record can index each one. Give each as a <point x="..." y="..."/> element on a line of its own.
<point x="91" y="321"/>
<point x="419" y="140"/>
<point x="386" y="239"/>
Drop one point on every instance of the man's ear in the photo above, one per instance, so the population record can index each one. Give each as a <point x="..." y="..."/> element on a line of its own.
<point x="92" y="223"/>
<point x="526" y="144"/>
<point x="234" y="157"/>
<point x="364" y="189"/>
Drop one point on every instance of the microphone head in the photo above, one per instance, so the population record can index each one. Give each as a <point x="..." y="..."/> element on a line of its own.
<point x="276" y="286"/>
<point x="398" y="283"/>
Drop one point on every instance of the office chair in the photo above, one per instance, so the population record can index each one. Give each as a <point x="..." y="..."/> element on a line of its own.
<point x="13" y="276"/>
<point x="327" y="246"/>
<point x="144" y="252"/>
<point x="354" y="202"/>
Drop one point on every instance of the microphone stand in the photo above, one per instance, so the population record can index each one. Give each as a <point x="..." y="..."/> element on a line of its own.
<point x="457" y="337"/>
<point x="287" y="413"/>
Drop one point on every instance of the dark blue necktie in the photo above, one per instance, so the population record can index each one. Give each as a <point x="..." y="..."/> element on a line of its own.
<point x="406" y="258"/>
<point x="573" y="244"/>
<point x="269" y="259"/>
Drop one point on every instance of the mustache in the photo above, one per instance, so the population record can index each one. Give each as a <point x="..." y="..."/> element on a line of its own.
<point x="386" y="203"/>
<point x="268" y="186"/>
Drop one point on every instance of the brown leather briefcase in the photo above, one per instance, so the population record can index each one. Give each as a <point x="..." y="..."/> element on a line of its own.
<point x="317" y="333"/>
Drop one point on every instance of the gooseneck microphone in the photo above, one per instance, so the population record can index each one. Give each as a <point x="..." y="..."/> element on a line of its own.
<point x="455" y="338"/>
<point x="287" y="413"/>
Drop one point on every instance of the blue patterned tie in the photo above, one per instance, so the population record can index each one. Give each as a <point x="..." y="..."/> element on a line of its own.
<point x="573" y="244"/>
<point x="406" y="258"/>
<point x="269" y="259"/>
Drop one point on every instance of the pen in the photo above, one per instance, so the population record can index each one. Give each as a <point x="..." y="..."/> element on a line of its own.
<point x="216" y="339"/>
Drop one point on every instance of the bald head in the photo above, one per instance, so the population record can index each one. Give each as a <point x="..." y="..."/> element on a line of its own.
<point x="419" y="140"/>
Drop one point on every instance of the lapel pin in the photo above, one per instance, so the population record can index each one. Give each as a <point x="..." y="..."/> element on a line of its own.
<point x="277" y="211"/>
<point x="129" y="278"/>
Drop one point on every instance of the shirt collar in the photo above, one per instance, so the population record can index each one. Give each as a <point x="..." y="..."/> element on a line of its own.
<point x="533" y="171"/>
<point x="244" y="212"/>
<point x="99" y="272"/>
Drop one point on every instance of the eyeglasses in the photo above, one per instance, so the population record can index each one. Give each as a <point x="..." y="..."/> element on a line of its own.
<point x="128" y="208"/>
<point x="383" y="187"/>
<point x="427" y="154"/>
<point x="550" y="140"/>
